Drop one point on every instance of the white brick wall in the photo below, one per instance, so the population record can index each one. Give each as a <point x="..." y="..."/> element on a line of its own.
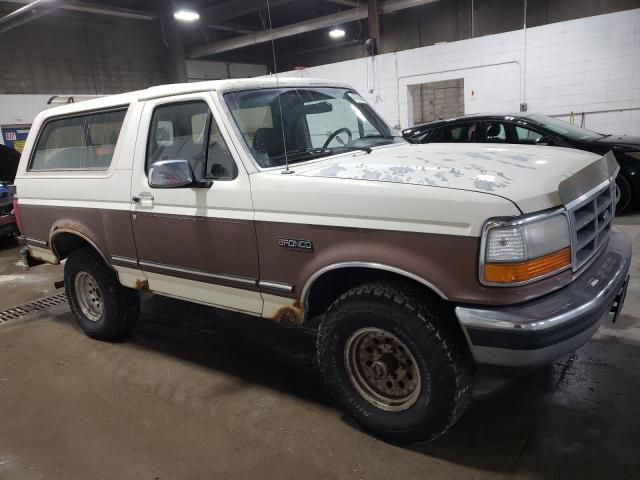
<point x="587" y="65"/>
<point x="21" y="109"/>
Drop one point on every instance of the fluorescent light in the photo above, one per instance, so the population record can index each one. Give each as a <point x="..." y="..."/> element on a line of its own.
<point x="186" y="15"/>
<point x="336" y="33"/>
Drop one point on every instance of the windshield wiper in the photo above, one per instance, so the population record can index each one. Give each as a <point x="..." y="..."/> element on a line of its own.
<point x="316" y="151"/>
<point x="347" y="148"/>
<point x="386" y="137"/>
<point x="299" y="151"/>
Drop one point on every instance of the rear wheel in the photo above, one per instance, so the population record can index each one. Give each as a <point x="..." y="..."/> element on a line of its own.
<point x="103" y="308"/>
<point x="392" y="363"/>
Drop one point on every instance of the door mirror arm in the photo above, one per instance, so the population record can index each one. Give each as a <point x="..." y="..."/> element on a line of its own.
<point x="204" y="183"/>
<point x="175" y="174"/>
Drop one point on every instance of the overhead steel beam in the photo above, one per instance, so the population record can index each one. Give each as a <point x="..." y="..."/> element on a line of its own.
<point x="345" y="3"/>
<point x="391" y="6"/>
<point x="230" y="28"/>
<point x="345" y="16"/>
<point x="28" y="13"/>
<point x="280" y="32"/>
<point x="101" y="10"/>
<point x="237" y="8"/>
<point x="111" y="11"/>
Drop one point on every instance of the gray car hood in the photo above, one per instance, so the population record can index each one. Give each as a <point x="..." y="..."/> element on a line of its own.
<point x="530" y="176"/>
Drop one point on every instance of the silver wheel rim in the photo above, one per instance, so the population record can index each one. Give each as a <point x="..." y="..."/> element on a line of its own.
<point x="89" y="296"/>
<point x="618" y="193"/>
<point x="382" y="369"/>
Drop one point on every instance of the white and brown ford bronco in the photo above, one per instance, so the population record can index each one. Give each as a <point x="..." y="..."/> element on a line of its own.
<point x="292" y="200"/>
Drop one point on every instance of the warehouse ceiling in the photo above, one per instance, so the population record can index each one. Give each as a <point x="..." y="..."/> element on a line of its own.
<point x="228" y="30"/>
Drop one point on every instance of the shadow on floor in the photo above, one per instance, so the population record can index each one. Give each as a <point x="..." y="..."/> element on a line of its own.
<point x="8" y="242"/>
<point x="512" y="424"/>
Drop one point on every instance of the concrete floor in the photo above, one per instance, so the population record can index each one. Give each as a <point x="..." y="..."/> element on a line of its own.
<point x="198" y="393"/>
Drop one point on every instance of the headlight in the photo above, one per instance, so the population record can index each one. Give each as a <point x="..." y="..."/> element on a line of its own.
<point x="522" y="251"/>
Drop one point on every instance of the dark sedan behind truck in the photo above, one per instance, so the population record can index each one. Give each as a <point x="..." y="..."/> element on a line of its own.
<point x="535" y="129"/>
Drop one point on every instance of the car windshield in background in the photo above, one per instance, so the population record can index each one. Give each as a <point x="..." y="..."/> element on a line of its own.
<point x="565" y="128"/>
<point x="299" y="124"/>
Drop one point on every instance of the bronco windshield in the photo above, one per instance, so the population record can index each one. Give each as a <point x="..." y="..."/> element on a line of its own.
<point x="302" y="123"/>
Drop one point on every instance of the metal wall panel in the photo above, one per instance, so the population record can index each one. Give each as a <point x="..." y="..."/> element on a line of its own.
<point x="66" y="54"/>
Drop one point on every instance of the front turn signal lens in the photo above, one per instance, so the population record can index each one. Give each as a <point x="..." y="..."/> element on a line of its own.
<point x="528" y="270"/>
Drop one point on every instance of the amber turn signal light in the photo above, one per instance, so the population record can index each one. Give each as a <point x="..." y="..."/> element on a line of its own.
<point x="524" y="271"/>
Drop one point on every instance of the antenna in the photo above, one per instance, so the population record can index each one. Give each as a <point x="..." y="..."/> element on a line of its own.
<point x="275" y="69"/>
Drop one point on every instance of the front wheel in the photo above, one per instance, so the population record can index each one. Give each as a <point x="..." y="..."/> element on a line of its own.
<point x="103" y="308"/>
<point x="389" y="358"/>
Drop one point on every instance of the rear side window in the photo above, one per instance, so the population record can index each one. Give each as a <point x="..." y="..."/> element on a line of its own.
<point x="465" y="132"/>
<point x="83" y="142"/>
<point x="527" y="136"/>
<point x="496" y="133"/>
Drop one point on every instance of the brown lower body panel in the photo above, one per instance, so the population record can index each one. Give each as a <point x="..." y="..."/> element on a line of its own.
<point x="110" y="230"/>
<point x="448" y="262"/>
<point x="256" y="251"/>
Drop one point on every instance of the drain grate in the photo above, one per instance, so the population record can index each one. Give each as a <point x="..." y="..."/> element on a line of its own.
<point x="31" y="307"/>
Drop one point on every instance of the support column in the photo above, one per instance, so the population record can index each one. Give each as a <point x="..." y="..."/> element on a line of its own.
<point x="374" y="26"/>
<point x="177" y="63"/>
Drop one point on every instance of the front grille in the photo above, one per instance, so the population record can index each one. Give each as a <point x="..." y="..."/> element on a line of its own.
<point x="591" y="219"/>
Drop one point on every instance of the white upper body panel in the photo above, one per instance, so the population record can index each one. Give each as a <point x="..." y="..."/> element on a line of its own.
<point x="527" y="175"/>
<point x="435" y="188"/>
<point x="345" y="202"/>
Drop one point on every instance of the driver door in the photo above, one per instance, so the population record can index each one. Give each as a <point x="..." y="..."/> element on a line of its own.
<point x="196" y="242"/>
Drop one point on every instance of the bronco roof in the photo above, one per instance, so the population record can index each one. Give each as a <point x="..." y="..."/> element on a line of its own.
<point x="184" y="88"/>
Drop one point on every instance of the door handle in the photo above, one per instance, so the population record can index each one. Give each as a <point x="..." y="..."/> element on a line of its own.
<point x="144" y="199"/>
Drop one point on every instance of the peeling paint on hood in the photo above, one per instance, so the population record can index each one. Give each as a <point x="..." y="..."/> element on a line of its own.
<point x="526" y="174"/>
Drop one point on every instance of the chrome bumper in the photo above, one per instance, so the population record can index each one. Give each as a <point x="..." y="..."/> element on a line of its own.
<point x="542" y="330"/>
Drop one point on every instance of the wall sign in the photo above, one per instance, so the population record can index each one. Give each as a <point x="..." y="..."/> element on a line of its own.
<point x="15" y="136"/>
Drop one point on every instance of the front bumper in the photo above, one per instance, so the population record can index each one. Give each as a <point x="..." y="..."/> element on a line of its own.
<point x="542" y="330"/>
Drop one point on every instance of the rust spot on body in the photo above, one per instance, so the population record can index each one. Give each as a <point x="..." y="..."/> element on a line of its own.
<point x="141" y="284"/>
<point x="70" y="225"/>
<point x="289" y="315"/>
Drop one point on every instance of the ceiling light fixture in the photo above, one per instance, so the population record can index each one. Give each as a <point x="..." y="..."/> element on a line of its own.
<point x="186" y="15"/>
<point x="336" y="33"/>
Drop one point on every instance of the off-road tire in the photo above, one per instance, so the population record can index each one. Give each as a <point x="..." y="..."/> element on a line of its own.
<point x="120" y="305"/>
<point x="447" y="370"/>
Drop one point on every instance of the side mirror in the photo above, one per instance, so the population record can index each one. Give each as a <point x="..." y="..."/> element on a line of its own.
<point x="544" y="140"/>
<point x="174" y="174"/>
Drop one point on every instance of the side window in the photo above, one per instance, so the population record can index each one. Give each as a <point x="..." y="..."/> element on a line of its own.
<point x="220" y="163"/>
<point x="496" y="132"/>
<point x="465" y="132"/>
<point x="83" y="142"/>
<point x="186" y="131"/>
<point x="527" y="136"/>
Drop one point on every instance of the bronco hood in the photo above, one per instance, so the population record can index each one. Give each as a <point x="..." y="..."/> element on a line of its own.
<point x="530" y="176"/>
